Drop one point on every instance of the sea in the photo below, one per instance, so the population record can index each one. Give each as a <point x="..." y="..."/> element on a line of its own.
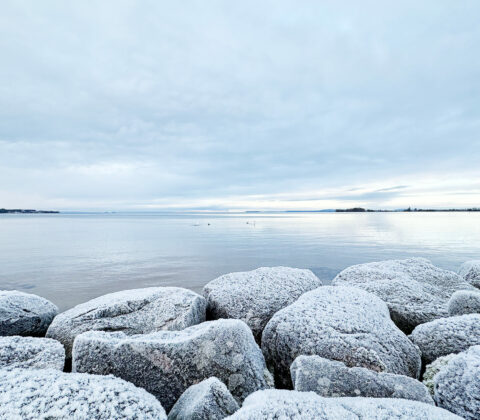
<point x="70" y="258"/>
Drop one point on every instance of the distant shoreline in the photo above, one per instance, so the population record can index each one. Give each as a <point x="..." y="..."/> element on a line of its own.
<point x="27" y="211"/>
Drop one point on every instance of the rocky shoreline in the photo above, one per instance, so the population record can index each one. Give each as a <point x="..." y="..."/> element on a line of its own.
<point x="397" y="339"/>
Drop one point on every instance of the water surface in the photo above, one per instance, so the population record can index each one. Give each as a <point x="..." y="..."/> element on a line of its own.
<point x="70" y="258"/>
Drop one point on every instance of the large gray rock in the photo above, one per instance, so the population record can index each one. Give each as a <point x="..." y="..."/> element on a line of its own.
<point x="31" y="352"/>
<point x="470" y="271"/>
<point x="50" y="394"/>
<point x="254" y="296"/>
<point x="24" y="313"/>
<point x="432" y="369"/>
<point x="329" y="378"/>
<point x="294" y="405"/>
<point x="166" y="363"/>
<point x="137" y="311"/>
<point x="415" y="290"/>
<point x="339" y="323"/>
<point x="208" y="400"/>
<point x="457" y="384"/>
<point x="447" y="335"/>
<point x="464" y="302"/>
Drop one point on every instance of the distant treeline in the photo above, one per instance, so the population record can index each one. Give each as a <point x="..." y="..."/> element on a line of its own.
<point x="29" y="211"/>
<point x="362" y="210"/>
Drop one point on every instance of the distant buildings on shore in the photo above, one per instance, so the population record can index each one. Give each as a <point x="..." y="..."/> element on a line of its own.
<point x="27" y="211"/>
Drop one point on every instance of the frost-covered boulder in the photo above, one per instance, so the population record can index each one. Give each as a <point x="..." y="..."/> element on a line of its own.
<point x="166" y="363"/>
<point x="208" y="400"/>
<point x="50" y="394"/>
<point x="415" y="290"/>
<point x="447" y="335"/>
<point x="24" y="313"/>
<point x="464" y="302"/>
<point x="31" y="352"/>
<point x="470" y="271"/>
<point x="457" y="384"/>
<point x="432" y="369"/>
<point x="137" y="311"/>
<point x="254" y="296"/>
<point x="294" y="405"/>
<point x="338" y="323"/>
<point x="329" y="378"/>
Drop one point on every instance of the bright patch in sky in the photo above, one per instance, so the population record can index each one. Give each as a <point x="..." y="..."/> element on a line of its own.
<point x="141" y="105"/>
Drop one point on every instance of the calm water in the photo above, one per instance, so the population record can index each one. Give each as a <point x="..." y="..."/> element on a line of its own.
<point x="72" y="258"/>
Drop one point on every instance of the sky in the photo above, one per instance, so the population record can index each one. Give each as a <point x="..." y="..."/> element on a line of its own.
<point x="221" y="105"/>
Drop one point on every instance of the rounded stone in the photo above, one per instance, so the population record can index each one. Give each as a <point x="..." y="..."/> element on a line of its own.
<point x="470" y="271"/>
<point x="415" y="290"/>
<point x="464" y="302"/>
<point x="136" y="311"/>
<point x="338" y="323"/>
<point x="432" y="369"/>
<point x="24" y="314"/>
<point x="254" y="296"/>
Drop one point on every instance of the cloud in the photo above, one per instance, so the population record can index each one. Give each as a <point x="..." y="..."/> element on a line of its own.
<point x="145" y="104"/>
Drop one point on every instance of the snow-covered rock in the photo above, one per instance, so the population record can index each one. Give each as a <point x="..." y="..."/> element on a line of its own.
<point x="329" y="378"/>
<point x="254" y="296"/>
<point x="50" y="394"/>
<point x="166" y="363"/>
<point x="24" y="313"/>
<point x="294" y="405"/>
<point x="339" y="323"/>
<point x="208" y="400"/>
<point x="464" y="302"/>
<point x="31" y="352"/>
<point x="470" y="271"/>
<point x="415" y="290"/>
<point x="136" y="311"/>
<point x="432" y="369"/>
<point x="447" y="335"/>
<point x="457" y="384"/>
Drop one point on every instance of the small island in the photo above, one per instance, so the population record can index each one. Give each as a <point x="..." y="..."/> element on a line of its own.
<point x="27" y="211"/>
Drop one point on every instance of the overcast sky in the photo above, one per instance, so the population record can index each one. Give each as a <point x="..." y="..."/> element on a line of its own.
<point x="141" y="105"/>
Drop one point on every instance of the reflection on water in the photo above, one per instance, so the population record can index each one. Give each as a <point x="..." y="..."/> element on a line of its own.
<point x="72" y="258"/>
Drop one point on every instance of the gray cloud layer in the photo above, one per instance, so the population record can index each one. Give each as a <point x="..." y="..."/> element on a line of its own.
<point x="219" y="104"/>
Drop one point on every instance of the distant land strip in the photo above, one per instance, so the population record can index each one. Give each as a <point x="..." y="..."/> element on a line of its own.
<point x="362" y="210"/>
<point x="27" y="211"/>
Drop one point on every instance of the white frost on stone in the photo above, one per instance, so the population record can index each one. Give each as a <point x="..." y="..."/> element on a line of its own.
<point x="432" y="369"/>
<point x="457" y="384"/>
<point x="293" y="405"/>
<point x="24" y="314"/>
<point x="338" y="323"/>
<point x="207" y="400"/>
<point x="447" y="335"/>
<point x="31" y="352"/>
<point x="254" y="296"/>
<point x="470" y="271"/>
<point x="329" y="378"/>
<point x="166" y="363"/>
<point x="137" y="311"/>
<point x="464" y="302"/>
<point x="50" y="394"/>
<point x="415" y="290"/>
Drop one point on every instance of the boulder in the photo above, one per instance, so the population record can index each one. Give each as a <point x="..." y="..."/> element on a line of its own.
<point x="166" y="363"/>
<point x="50" y="394"/>
<point x="254" y="296"/>
<point x="432" y="369"/>
<point x="470" y="271"/>
<point x="208" y="400"/>
<point x="137" y="311"/>
<point x="329" y="378"/>
<point x="24" y="313"/>
<point x="415" y="290"/>
<point x="338" y="323"/>
<point x="31" y="353"/>
<point x="464" y="302"/>
<point x="294" y="405"/>
<point x="457" y="384"/>
<point x="447" y="335"/>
